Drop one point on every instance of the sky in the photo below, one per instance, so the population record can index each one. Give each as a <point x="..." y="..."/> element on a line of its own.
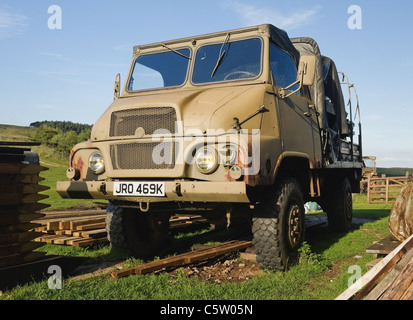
<point x="59" y="58"/>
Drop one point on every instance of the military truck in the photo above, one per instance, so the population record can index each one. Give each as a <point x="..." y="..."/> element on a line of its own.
<point x="239" y="125"/>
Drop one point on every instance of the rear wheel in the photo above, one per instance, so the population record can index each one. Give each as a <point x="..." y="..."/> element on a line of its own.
<point x="340" y="206"/>
<point x="144" y="235"/>
<point x="279" y="227"/>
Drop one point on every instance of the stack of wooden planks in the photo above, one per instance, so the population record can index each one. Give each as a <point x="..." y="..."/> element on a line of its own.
<point x="19" y="196"/>
<point x="389" y="279"/>
<point x="76" y="228"/>
<point x="187" y="222"/>
<point x="87" y="227"/>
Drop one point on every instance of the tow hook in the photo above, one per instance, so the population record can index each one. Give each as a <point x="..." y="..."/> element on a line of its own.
<point x="144" y="208"/>
<point x="177" y="189"/>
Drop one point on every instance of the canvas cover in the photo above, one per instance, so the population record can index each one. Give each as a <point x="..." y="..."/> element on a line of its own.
<point x="401" y="214"/>
<point x="281" y="39"/>
<point x="326" y="91"/>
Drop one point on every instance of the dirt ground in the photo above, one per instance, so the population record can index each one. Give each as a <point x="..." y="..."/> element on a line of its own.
<point x="228" y="268"/>
<point x="233" y="270"/>
<point x="238" y="270"/>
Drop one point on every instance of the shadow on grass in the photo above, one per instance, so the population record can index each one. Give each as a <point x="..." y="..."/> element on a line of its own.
<point x="371" y="213"/>
<point x="320" y="238"/>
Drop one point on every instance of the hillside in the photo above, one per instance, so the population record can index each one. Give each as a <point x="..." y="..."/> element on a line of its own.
<point x="55" y="143"/>
<point x="394" y="172"/>
<point x="17" y="133"/>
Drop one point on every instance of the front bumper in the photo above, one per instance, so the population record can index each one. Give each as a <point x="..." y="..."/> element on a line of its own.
<point x="175" y="191"/>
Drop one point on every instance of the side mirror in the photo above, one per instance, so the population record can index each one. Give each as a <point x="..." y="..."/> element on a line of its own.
<point x="305" y="75"/>
<point x="116" y="89"/>
<point x="306" y="70"/>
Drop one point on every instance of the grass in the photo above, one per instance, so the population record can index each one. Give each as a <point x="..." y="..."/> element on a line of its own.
<point x="57" y="172"/>
<point x="16" y="133"/>
<point x="321" y="274"/>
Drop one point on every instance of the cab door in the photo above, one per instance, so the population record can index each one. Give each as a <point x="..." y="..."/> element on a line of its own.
<point x="296" y="125"/>
<point x="298" y="129"/>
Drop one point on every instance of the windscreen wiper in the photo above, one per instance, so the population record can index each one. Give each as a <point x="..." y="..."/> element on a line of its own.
<point x="220" y="57"/>
<point x="175" y="51"/>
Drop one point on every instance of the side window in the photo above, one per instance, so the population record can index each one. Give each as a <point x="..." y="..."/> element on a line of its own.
<point x="283" y="68"/>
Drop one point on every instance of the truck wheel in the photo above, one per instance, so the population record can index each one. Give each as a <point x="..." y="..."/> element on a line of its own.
<point x="279" y="226"/>
<point x="142" y="234"/>
<point x="340" y="207"/>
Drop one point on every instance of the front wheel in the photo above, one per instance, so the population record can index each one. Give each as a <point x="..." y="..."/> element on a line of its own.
<point x="144" y="235"/>
<point x="279" y="227"/>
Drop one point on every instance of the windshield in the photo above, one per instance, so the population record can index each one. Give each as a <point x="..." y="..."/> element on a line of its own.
<point x="160" y="70"/>
<point x="230" y="60"/>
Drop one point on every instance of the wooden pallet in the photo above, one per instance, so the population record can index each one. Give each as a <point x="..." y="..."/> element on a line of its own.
<point x="390" y="279"/>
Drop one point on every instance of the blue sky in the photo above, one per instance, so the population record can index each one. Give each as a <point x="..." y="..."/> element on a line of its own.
<point x="68" y="73"/>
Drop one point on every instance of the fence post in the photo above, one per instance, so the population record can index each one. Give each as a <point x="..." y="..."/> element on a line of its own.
<point x="387" y="190"/>
<point x="368" y="190"/>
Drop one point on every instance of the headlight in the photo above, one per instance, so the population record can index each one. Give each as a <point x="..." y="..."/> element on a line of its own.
<point x="97" y="163"/>
<point x="206" y="160"/>
<point x="229" y="153"/>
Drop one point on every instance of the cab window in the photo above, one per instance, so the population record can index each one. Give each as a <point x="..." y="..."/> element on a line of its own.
<point x="283" y="68"/>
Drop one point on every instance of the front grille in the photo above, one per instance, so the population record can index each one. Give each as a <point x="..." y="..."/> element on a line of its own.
<point x="151" y="155"/>
<point x="125" y="122"/>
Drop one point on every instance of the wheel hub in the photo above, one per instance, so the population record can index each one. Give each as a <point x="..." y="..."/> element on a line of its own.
<point x="294" y="226"/>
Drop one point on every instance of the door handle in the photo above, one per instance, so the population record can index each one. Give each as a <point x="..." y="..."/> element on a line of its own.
<point x="308" y="114"/>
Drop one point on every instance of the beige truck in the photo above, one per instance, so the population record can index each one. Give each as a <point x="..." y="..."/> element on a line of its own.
<point x="241" y="124"/>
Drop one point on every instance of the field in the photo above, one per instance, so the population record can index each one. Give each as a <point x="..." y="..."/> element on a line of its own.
<point x="321" y="274"/>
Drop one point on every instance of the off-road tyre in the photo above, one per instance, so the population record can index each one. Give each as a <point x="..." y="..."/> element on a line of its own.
<point x="340" y="206"/>
<point x="143" y="235"/>
<point x="278" y="227"/>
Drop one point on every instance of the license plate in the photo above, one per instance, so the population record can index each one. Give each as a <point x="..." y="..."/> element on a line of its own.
<point x="148" y="189"/>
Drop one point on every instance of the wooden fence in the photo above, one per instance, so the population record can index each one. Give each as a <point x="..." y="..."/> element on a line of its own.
<point x="384" y="190"/>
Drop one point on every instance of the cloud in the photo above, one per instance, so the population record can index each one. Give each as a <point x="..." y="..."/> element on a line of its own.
<point x="123" y="47"/>
<point x="54" y="55"/>
<point x="374" y="117"/>
<point x="252" y="15"/>
<point x="47" y="107"/>
<point x="11" y="24"/>
<point x="68" y="76"/>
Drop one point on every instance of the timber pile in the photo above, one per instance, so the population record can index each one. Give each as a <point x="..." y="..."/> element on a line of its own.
<point x="185" y="258"/>
<point x="19" y="196"/>
<point x="390" y="279"/>
<point x="75" y="228"/>
<point x="88" y="227"/>
<point x="187" y="222"/>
